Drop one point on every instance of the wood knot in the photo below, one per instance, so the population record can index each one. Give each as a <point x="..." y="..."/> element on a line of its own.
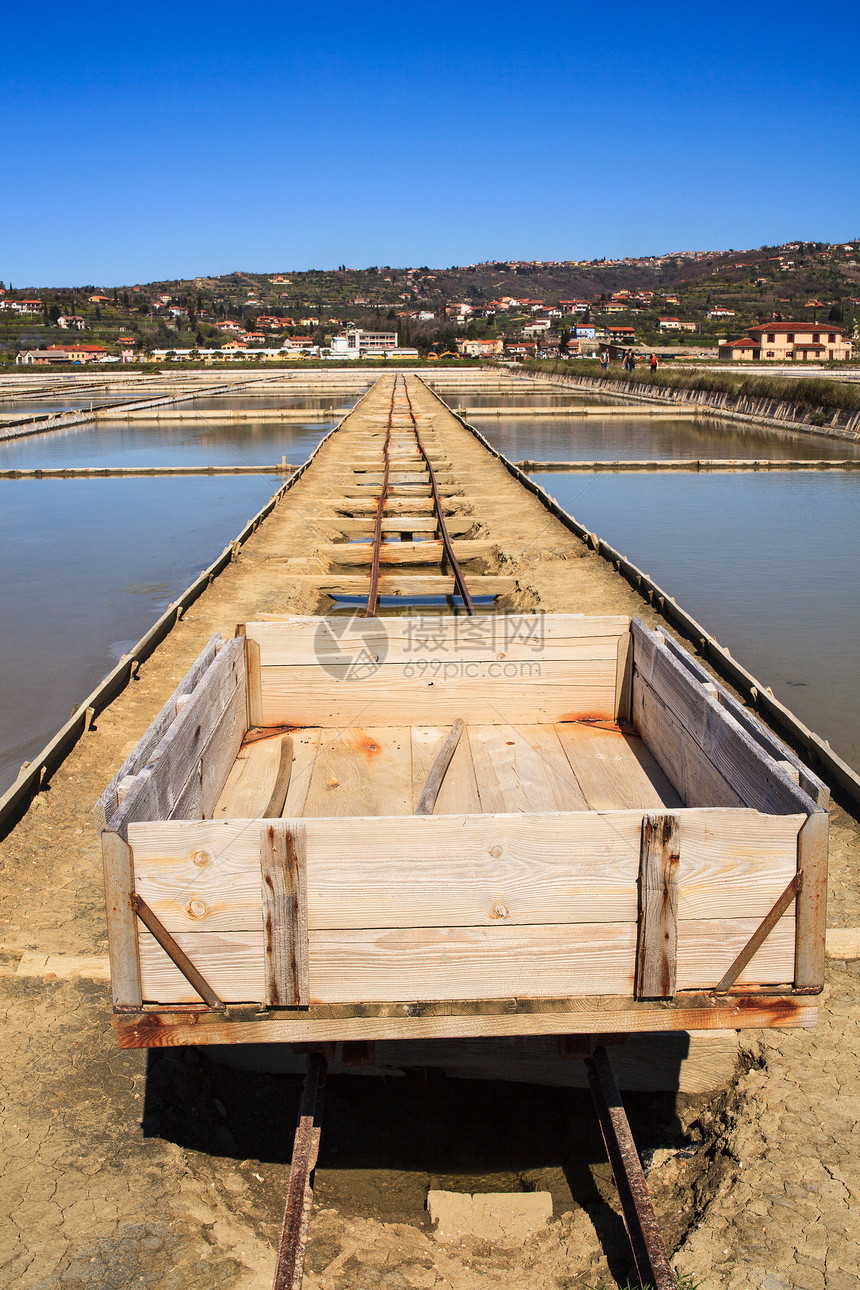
<point x="499" y="910"/>
<point x="196" y="909"/>
<point x="201" y="858"/>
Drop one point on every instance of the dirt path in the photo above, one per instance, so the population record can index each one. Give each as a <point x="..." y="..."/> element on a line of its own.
<point x="116" y="1176"/>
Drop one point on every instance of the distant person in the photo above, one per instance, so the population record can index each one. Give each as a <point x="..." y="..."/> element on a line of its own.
<point x="604" y="360"/>
<point x="629" y="362"/>
<point x="653" y="364"/>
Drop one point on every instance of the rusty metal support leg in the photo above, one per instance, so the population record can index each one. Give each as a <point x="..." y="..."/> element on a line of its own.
<point x="290" y="1269"/>
<point x="646" y="1239"/>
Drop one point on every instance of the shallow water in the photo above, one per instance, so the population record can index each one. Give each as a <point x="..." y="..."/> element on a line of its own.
<point x="646" y="438"/>
<point x="766" y="562"/>
<point x="92" y="564"/>
<point x="208" y="442"/>
<point x="48" y="406"/>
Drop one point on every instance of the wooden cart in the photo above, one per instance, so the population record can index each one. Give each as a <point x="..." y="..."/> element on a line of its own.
<point x="617" y="844"/>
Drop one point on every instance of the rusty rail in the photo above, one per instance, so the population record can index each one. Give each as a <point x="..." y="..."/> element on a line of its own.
<point x="373" y="594"/>
<point x="460" y="587"/>
<point x="459" y="580"/>
<point x="290" y="1268"/>
<point x="646" y="1240"/>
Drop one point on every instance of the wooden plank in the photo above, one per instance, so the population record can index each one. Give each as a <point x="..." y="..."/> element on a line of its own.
<point x="587" y="1015"/>
<point x="256" y="787"/>
<point x="404" y="584"/>
<point x="393" y="505"/>
<point x="384" y="872"/>
<point x="305" y="747"/>
<point x="843" y="943"/>
<point x="403" y="524"/>
<point x="437" y="691"/>
<point x="615" y="771"/>
<point x="161" y="782"/>
<point x="656" y="955"/>
<point x="255" y="700"/>
<point x="137" y="759"/>
<point x="624" y="678"/>
<point x="363" y="771"/>
<point x="403" y="553"/>
<point x="231" y="962"/>
<point x="472" y="962"/>
<point x="118" y="868"/>
<point x="809" y="782"/>
<point x="208" y="773"/>
<point x="523" y="769"/>
<point x="430" y="792"/>
<point x="458" y="794"/>
<point x="812" y="849"/>
<point x="756" y="777"/>
<point x="283" y="862"/>
<point x="696" y="780"/>
<point x="298" y="640"/>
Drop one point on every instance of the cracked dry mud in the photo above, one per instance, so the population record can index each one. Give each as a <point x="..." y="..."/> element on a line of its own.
<point x="125" y="1170"/>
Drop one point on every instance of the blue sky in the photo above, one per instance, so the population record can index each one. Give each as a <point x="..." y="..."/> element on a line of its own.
<point x="140" y="144"/>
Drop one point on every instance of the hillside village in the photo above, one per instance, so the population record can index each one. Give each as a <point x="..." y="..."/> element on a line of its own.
<point x="708" y="305"/>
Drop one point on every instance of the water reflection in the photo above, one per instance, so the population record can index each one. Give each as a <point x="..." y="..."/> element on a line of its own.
<point x="206" y="442"/>
<point x="96" y="562"/>
<point x="648" y="438"/>
<point x="766" y="562"/>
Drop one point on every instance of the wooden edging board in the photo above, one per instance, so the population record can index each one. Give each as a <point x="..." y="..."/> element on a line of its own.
<point x="37" y="773"/>
<point x="164" y="1028"/>
<point x="760" y="697"/>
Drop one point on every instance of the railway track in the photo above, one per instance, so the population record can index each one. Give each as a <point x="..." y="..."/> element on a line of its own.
<point x="405" y="474"/>
<point x="403" y="447"/>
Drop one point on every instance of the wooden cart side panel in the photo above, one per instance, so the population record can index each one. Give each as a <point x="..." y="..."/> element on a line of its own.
<point x="444" y="871"/>
<point x="200" y="745"/>
<point x="302" y="641"/>
<point x="107" y="804"/>
<point x="773" y="746"/>
<point x="812" y="850"/>
<point x="751" y="773"/>
<point x="624" y="679"/>
<point x="440" y="690"/>
<point x="384" y="926"/>
<point x="118" y="867"/>
<point x="382" y="965"/>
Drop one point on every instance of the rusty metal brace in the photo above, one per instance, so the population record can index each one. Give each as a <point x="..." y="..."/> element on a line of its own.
<point x="646" y="1240"/>
<point x="760" y="934"/>
<point x="175" y="952"/>
<point x="290" y="1269"/>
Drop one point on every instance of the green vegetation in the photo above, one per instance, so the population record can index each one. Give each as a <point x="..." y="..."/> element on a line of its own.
<point x="809" y="392"/>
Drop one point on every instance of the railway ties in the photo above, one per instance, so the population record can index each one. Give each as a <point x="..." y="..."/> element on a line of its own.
<point x="407" y="523"/>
